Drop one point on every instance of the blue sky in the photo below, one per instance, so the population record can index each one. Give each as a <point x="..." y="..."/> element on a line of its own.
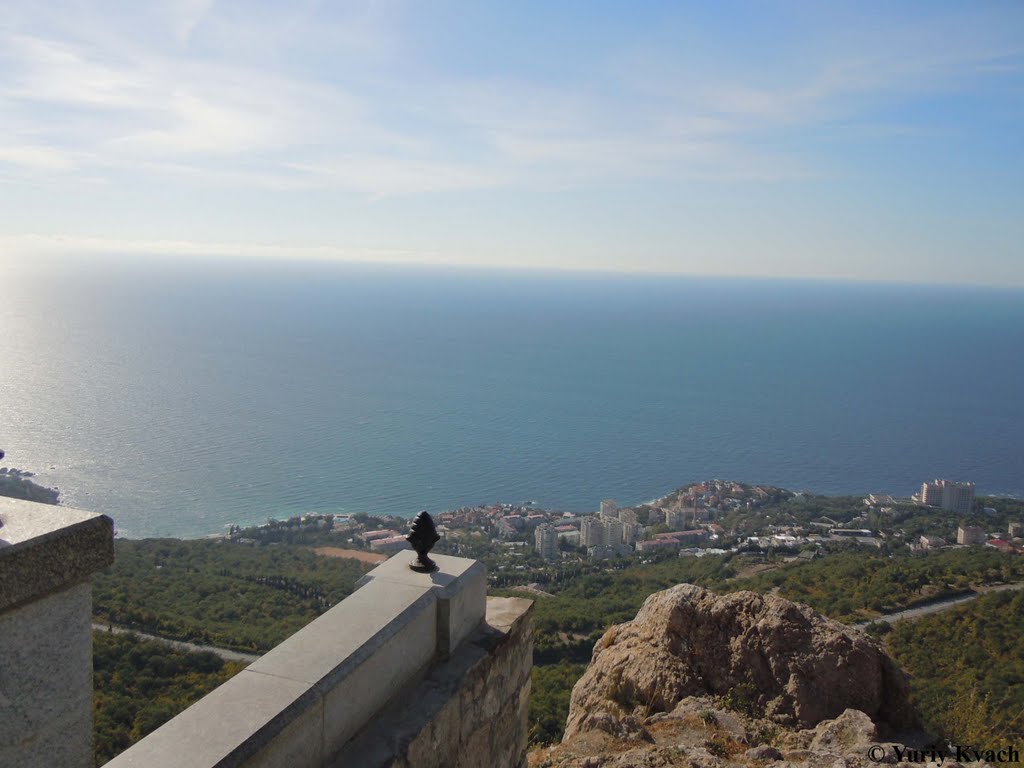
<point x="868" y="141"/>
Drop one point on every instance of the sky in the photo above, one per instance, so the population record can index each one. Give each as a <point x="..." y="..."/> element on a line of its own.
<point x="868" y="141"/>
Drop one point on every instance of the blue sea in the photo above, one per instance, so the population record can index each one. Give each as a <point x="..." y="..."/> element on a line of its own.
<point x="181" y="396"/>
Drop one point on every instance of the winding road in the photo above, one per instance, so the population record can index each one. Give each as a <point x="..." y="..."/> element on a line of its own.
<point x="938" y="605"/>
<point x="181" y="645"/>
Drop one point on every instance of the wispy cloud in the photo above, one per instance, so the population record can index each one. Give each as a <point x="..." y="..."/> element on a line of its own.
<point x="27" y="245"/>
<point x="159" y="107"/>
<point x="331" y="112"/>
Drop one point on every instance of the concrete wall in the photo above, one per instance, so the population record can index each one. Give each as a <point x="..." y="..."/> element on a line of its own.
<point x="470" y="712"/>
<point x="408" y="657"/>
<point x="47" y="554"/>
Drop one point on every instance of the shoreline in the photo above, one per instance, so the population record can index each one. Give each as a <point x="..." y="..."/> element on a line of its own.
<point x="534" y="505"/>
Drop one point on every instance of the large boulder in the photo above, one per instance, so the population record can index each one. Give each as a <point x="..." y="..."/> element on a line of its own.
<point x="765" y="654"/>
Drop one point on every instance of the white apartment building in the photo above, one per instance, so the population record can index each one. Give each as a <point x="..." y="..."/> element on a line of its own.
<point x="609" y="508"/>
<point x="957" y="497"/>
<point x="545" y="539"/>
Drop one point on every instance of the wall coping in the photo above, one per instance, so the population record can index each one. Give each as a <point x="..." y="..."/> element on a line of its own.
<point x="45" y="548"/>
<point x="301" y="702"/>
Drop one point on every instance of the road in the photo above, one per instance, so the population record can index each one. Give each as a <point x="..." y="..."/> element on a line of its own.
<point x="940" y="605"/>
<point x="910" y="613"/>
<point x="224" y="653"/>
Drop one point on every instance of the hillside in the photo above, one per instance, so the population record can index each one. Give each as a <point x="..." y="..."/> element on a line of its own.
<point x="967" y="669"/>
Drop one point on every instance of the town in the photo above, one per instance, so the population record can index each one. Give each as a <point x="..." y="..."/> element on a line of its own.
<point x="521" y="542"/>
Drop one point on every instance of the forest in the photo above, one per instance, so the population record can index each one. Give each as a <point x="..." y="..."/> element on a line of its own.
<point x="216" y="593"/>
<point x="138" y="685"/>
<point x="967" y="669"/>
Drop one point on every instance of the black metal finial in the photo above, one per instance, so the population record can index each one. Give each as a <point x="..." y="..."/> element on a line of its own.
<point x="423" y="536"/>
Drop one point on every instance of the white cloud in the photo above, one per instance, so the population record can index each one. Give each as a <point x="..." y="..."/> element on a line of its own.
<point x="63" y="74"/>
<point x="143" y="105"/>
<point x="36" y="158"/>
<point x="194" y="125"/>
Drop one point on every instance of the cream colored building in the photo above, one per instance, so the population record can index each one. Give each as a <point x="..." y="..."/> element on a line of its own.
<point x="956" y="497"/>
<point x="970" y="534"/>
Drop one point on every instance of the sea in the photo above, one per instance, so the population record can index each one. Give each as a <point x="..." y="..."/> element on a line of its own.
<point x="180" y="396"/>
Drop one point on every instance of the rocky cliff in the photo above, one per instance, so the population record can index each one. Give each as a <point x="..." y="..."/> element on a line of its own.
<point x="772" y="656"/>
<point x="740" y="679"/>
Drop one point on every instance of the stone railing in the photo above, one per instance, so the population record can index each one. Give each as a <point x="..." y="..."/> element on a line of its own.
<point x="47" y="554"/>
<point x="411" y="670"/>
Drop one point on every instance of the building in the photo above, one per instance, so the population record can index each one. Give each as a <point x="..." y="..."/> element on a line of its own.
<point x="609" y="508"/>
<point x="571" y="537"/>
<point x="879" y="500"/>
<point x="650" y="545"/>
<point x="546" y="541"/>
<point x="390" y="545"/>
<point x="675" y="519"/>
<point x="926" y="543"/>
<point x="592" y="532"/>
<point x="628" y="516"/>
<point x="369" y="537"/>
<point x="613" y="531"/>
<point x="598" y="531"/>
<point x="970" y="534"/>
<point x="609" y="551"/>
<point x="956" y="497"/>
<point x="1015" y="529"/>
<point x="1005" y="546"/>
<point x="630" y="533"/>
<point x="691" y="537"/>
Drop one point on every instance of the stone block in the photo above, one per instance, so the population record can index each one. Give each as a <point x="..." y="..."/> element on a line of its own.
<point x="47" y="554"/>
<point x="253" y="720"/>
<point x="459" y="584"/>
<point x="45" y="548"/>
<point x="46" y="681"/>
<point x="392" y="663"/>
<point x="328" y="649"/>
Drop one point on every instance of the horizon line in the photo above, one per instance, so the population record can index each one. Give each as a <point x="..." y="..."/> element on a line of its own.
<point x="141" y="251"/>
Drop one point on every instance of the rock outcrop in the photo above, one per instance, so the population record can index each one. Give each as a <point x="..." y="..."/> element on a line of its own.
<point x="765" y="655"/>
<point x="699" y="733"/>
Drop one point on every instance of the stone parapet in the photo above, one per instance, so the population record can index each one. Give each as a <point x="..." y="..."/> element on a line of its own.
<point x="469" y="712"/>
<point x="302" y="704"/>
<point x="45" y="548"/>
<point x="459" y="584"/>
<point x="47" y="554"/>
